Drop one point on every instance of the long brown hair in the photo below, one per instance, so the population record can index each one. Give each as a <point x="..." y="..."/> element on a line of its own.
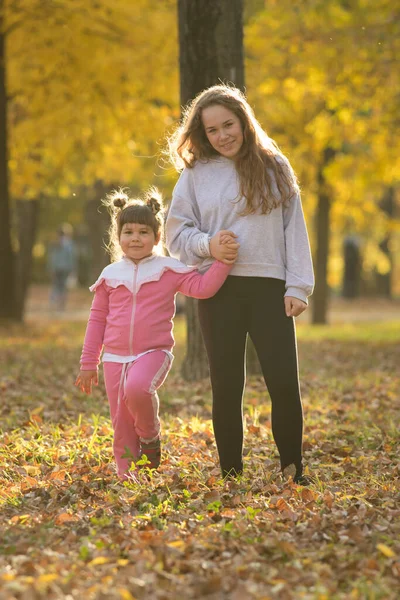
<point x="265" y="175"/>
<point x="124" y="209"/>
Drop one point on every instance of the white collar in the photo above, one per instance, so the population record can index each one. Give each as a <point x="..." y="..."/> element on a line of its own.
<point x="148" y="269"/>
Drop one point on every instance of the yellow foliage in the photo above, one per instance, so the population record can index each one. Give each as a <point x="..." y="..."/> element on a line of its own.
<point x="96" y="78"/>
<point x="324" y="75"/>
<point x="96" y="87"/>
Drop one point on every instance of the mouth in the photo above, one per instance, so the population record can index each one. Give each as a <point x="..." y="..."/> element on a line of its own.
<point x="228" y="146"/>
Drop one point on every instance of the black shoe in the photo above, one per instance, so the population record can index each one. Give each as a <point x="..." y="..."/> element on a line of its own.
<point x="303" y="480"/>
<point x="153" y="452"/>
<point x="290" y="472"/>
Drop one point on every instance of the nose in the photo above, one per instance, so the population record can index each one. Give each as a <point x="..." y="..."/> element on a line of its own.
<point x="224" y="137"/>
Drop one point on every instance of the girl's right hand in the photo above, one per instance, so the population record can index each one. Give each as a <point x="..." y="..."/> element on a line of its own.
<point x="85" y="380"/>
<point x="223" y="250"/>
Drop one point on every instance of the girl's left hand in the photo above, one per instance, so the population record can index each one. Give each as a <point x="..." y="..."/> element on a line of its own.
<point x="85" y="380"/>
<point x="293" y="306"/>
<point x="226" y="238"/>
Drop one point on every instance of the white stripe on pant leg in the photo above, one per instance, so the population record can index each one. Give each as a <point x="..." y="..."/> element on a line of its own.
<point x="122" y="382"/>
<point x="154" y="397"/>
<point x="159" y="375"/>
<point x="156" y="404"/>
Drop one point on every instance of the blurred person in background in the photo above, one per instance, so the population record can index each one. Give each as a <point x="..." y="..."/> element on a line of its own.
<point x="61" y="264"/>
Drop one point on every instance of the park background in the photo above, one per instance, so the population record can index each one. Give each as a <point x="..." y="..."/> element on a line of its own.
<point x="89" y="90"/>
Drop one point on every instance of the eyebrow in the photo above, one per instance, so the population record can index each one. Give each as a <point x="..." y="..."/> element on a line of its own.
<point x="224" y="123"/>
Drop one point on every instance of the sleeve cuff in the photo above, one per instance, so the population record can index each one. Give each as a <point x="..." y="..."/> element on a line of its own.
<point x="89" y="367"/>
<point x="296" y="292"/>
<point x="222" y="266"/>
<point x="203" y="245"/>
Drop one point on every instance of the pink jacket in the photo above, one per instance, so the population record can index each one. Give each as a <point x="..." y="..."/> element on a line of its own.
<point x="134" y="305"/>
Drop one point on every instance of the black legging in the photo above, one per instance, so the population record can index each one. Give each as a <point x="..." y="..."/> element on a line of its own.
<point x="254" y="306"/>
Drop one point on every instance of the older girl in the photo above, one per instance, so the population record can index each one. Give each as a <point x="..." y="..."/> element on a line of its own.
<point x="235" y="177"/>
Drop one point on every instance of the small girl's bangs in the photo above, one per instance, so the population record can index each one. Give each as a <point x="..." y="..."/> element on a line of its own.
<point x="141" y="214"/>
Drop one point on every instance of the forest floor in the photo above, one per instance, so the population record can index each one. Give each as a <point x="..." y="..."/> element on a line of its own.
<point x="70" y="530"/>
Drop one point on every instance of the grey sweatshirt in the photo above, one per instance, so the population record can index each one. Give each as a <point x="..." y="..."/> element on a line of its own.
<point x="271" y="245"/>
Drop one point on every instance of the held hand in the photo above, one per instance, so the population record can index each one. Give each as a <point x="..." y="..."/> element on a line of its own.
<point x="226" y="238"/>
<point x="224" y="252"/>
<point x="85" y="380"/>
<point x="293" y="306"/>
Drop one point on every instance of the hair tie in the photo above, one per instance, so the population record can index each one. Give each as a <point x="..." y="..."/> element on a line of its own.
<point x="120" y="201"/>
<point x="154" y="205"/>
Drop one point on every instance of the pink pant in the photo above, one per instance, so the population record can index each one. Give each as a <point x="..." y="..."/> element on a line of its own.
<point x="134" y="403"/>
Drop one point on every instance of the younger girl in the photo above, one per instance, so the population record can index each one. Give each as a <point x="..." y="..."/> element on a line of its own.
<point x="235" y="177"/>
<point x="131" y="315"/>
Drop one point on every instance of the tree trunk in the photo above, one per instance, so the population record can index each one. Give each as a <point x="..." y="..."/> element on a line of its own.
<point x="210" y="44"/>
<point x="8" y="303"/>
<point x="352" y="267"/>
<point x="384" y="280"/>
<point x="195" y="365"/>
<point x="320" y="299"/>
<point x="210" y="52"/>
<point x="27" y="215"/>
<point x="97" y="221"/>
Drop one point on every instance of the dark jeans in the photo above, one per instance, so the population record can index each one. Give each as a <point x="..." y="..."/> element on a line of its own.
<point x="254" y="306"/>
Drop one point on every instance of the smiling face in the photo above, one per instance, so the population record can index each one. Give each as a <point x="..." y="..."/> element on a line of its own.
<point x="137" y="241"/>
<point x="223" y="130"/>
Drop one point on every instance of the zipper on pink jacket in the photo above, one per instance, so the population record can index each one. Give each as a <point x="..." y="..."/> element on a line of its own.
<point x="135" y="273"/>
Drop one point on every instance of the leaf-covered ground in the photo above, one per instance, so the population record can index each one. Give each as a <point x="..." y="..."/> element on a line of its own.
<point x="70" y="530"/>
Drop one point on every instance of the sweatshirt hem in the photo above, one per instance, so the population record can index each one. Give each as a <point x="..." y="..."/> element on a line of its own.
<point x="258" y="270"/>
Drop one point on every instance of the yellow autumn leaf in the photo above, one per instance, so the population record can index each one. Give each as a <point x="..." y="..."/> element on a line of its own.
<point x="125" y="594"/>
<point x="20" y="519"/>
<point x="388" y="552"/>
<point x="176" y="544"/>
<point x="99" y="560"/>
<point x="122" y="562"/>
<point x="32" y="470"/>
<point x="47" y="578"/>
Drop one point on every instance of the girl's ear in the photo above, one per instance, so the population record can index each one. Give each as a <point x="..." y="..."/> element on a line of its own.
<point x="158" y="237"/>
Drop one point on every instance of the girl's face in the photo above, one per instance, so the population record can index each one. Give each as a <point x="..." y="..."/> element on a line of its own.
<point x="223" y="130"/>
<point x="137" y="241"/>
